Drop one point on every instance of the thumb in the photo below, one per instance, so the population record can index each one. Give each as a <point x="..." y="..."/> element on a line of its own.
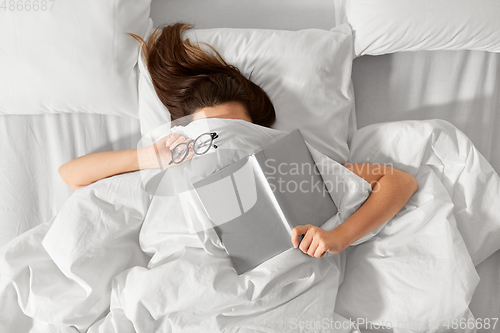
<point x="296" y="232"/>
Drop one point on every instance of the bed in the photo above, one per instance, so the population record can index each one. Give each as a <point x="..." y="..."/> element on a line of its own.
<point x="459" y="86"/>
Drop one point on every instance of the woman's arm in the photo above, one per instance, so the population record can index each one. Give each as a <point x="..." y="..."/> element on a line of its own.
<point x="90" y="168"/>
<point x="391" y="190"/>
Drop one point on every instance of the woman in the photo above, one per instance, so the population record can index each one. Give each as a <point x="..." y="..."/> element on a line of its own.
<point x="191" y="81"/>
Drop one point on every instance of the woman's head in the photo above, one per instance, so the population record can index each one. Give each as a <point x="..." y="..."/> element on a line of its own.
<point x="187" y="78"/>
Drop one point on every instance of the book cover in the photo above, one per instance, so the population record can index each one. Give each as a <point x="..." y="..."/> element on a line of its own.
<point x="256" y="202"/>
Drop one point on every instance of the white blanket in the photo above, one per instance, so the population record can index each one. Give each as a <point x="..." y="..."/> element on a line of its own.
<point x="119" y="259"/>
<point x="418" y="270"/>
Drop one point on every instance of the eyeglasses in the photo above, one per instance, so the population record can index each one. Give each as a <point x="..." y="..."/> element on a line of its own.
<point x="201" y="145"/>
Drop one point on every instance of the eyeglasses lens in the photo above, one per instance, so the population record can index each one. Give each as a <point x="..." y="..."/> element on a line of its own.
<point x="180" y="152"/>
<point x="203" y="144"/>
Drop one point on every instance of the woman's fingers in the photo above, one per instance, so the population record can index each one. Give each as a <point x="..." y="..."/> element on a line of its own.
<point x="165" y="146"/>
<point x="306" y="241"/>
<point x="191" y="151"/>
<point x="320" y="251"/>
<point x="171" y="139"/>
<point x="314" y="245"/>
<point x="313" y="242"/>
<point x="296" y="232"/>
<point x="179" y="140"/>
<point x="189" y="155"/>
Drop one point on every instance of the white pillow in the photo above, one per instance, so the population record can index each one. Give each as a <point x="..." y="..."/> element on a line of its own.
<point x="70" y="56"/>
<point x="152" y="112"/>
<point x="388" y="26"/>
<point x="306" y="73"/>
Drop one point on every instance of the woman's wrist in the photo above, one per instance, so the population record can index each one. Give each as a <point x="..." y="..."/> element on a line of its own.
<point x="148" y="157"/>
<point x="340" y="240"/>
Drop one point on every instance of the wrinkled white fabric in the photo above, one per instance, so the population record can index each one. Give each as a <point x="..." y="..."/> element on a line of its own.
<point x="120" y="259"/>
<point x="59" y="273"/>
<point x="420" y="268"/>
<point x="179" y="254"/>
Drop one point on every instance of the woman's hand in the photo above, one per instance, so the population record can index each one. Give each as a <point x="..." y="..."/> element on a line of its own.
<point x="163" y="149"/>
<point x="316" y="241"/>
<point x="391" y="189"/>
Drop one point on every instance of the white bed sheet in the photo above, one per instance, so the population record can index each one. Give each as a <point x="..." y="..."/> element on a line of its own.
<point x="461" y="87"/>
<point x="486" y="300"/>
<point x="33" y="148"/>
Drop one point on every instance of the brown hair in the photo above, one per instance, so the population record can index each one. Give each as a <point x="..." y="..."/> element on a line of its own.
<point x="187" y="78"/>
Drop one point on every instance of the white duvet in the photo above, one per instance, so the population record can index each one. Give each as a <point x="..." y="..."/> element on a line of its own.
<point x="120" y="259"/>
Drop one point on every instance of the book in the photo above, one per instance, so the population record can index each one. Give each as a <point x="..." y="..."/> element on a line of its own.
<point x="255" y="203"/>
